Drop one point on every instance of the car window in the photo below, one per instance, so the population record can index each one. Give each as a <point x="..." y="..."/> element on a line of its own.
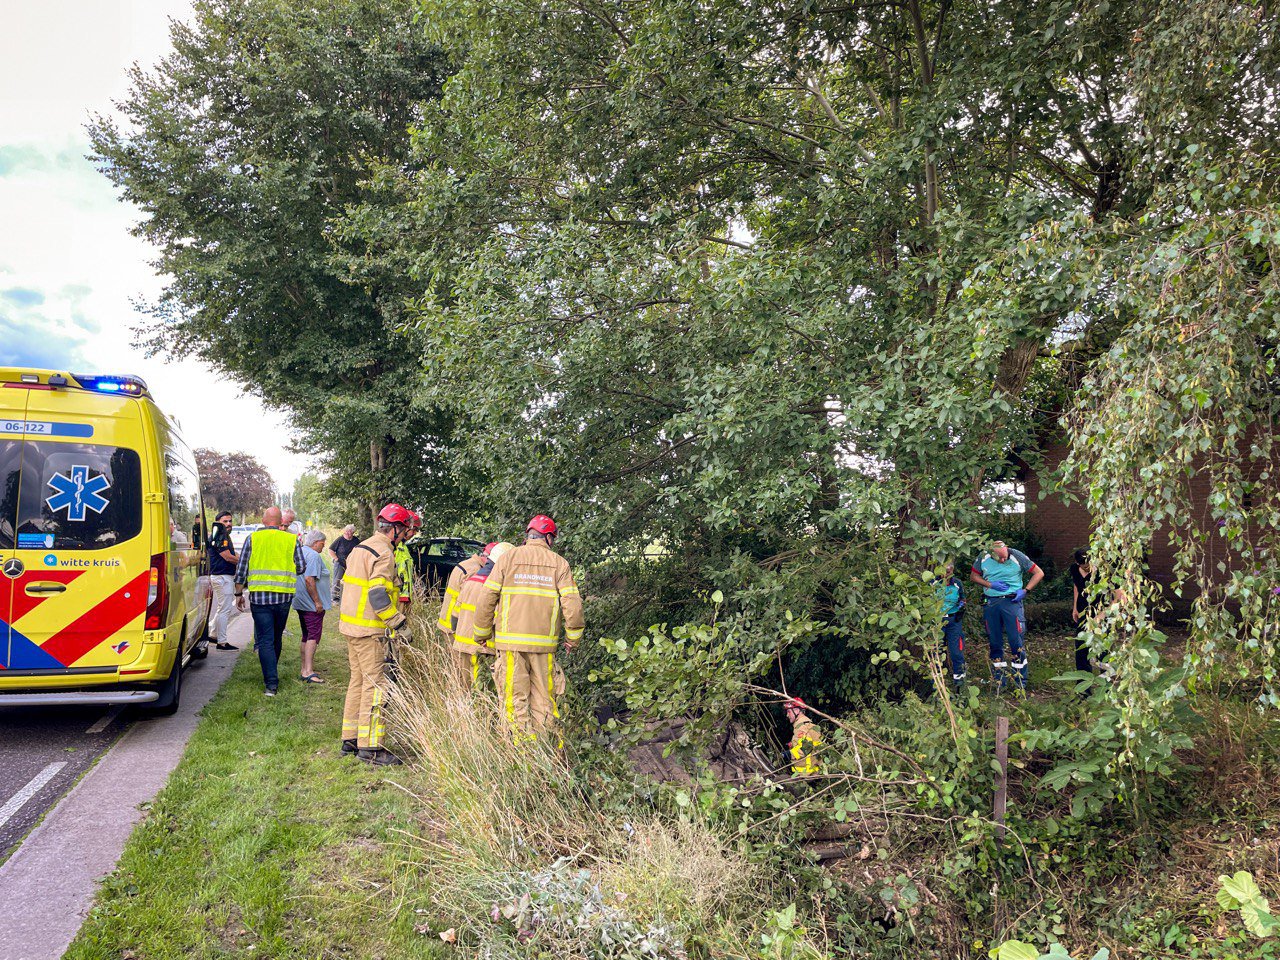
<point x="184" y="500"/>
<point x="183" y="482"/>
<point x="77" y="496"/>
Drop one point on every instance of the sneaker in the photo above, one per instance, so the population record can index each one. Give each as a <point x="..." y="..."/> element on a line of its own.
<point x="349" y="746"/>
<point x="220" y="645"/>
<point x="269" y="692"/>
<point x="379" y="757"/>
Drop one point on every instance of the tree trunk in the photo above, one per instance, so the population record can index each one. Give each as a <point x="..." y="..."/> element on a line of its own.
<point x="377" y="464"/>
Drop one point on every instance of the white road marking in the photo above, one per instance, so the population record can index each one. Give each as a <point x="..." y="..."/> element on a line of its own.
<point x="19" y="799"/>
<point x="105" y="720"/>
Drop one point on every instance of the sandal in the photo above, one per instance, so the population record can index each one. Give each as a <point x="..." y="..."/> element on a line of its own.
<point x="310" y="678"/>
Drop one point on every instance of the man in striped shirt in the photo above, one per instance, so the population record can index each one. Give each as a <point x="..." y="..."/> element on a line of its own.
<point x="271" y="561"/>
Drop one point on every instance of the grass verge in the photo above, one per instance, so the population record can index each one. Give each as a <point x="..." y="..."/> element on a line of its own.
<point x="266" y="842"/>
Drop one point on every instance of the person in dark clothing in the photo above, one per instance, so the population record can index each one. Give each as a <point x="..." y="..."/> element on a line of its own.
<point x="222" y="572"/>
<point x="1082" y="605"/>
<point x="340" y="550"/>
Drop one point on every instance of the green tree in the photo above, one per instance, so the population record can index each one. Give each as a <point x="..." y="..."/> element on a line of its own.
<point x="240" y="148"/>
<point x="315" y="504"/>
<point x="785" y="285"/>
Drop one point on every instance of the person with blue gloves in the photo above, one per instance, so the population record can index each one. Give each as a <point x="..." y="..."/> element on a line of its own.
<point x="951" y="596"/>
<point x="1001" y="572"/>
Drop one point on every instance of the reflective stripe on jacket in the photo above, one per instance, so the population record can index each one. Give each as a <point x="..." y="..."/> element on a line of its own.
<point x="804" y="746"/>
<point x="528" y="592"/>
<point x="370" y="589"/>
<point x="464" y="613"/>
<point x="271" y="562"/>
<point x="456" y="577"/>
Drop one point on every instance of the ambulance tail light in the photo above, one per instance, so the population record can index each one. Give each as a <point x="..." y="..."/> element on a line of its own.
<point x="157" y="592"/>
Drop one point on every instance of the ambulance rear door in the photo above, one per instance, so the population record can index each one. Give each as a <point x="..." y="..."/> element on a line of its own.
<point x="80" y="535"/>
<point x="13" y="418"/>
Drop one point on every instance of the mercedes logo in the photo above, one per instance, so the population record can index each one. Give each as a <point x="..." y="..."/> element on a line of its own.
<point x="13" y="568"/>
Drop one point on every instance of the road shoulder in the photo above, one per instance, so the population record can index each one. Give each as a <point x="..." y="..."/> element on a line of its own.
<point x="48" y="884"/>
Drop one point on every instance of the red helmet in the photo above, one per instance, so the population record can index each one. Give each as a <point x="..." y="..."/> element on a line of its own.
<point x="394" y="513"/>
<point x="415" y="521"/>
<point x="542" y="524"/>
<point x="794" y="707"/>
<point x="488" y="547"/>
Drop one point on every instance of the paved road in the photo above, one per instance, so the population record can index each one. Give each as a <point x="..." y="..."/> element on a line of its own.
<point x="42" y="753"/>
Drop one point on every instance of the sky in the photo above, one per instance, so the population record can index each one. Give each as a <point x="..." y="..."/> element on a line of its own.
<point x="70" y="272"/>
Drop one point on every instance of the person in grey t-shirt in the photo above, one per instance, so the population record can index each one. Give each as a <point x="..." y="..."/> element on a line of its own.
<point x="312" y="598"/>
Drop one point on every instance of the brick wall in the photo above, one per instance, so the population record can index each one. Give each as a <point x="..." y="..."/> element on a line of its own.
<point x="1066" y="527"/>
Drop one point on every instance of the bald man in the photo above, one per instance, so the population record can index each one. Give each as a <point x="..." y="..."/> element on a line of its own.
<point x="271" y="561"/>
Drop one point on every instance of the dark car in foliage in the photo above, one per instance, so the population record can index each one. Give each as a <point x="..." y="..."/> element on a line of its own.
<point x="435" y="558"/>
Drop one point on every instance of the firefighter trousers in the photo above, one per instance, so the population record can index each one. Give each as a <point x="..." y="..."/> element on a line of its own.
<point x="528" y="684"/>
<point x="469" y="666"/>
<point x="362" y="714"/>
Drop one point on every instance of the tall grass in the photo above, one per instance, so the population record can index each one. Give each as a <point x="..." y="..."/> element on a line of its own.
<point x="533" y="862"/>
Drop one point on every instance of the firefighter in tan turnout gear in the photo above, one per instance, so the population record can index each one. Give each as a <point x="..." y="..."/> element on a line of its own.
<point x="468" y="650"/>
<point x="806" y="740"/>
<point x="371" y="621"/>
<point x="526" y="596"/>
<point x="450" y="610"/>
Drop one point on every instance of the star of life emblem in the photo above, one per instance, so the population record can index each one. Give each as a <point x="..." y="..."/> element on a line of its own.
<point x="77" y="493"/>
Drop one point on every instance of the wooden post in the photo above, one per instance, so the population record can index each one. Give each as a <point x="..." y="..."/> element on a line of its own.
<point x="1002" y="779"/>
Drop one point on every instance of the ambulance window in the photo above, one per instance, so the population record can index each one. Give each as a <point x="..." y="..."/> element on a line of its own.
<point x="10" y="471"/>
<point x="184" y="500"/>
<point x="78" y="496"/>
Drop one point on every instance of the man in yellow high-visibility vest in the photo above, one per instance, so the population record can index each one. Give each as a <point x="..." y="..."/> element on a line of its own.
<point x="371" y="621"/>
<point x="270" y="563"/>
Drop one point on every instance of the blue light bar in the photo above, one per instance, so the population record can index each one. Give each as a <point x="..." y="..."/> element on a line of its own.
<point x="131" y="386"/>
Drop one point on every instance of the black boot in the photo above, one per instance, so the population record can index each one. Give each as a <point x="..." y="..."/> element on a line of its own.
<point x="349" y="746"/>
<point x="379" y="757"/>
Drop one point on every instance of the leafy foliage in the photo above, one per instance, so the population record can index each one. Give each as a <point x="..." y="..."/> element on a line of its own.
<point x="769" y="303"/>
<point x="234" y="481"/>
<point x="1240" y="892"/>
<point x="241" y="148"/>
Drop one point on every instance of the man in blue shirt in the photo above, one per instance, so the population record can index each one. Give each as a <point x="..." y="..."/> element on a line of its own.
<point x="951" y="596"/>
<point x="1000" y="572"/>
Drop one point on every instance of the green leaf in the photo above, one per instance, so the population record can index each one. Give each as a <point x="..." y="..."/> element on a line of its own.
<point x="1015" y="950"/>
<point x="1242" y="889"/>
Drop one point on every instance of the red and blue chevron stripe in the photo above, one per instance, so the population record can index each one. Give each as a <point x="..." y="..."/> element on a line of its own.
<point x="67" y="645"/>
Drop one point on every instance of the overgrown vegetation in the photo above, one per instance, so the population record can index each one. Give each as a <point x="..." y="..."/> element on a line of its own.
<point x="547" y="859"/>
<point x="766" y="302"/>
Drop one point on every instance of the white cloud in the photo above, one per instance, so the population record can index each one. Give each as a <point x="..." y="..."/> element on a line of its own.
<point x="65" y="245"/>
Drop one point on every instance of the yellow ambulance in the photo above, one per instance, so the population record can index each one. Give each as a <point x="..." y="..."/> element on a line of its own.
<point x="105" y="593"/>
